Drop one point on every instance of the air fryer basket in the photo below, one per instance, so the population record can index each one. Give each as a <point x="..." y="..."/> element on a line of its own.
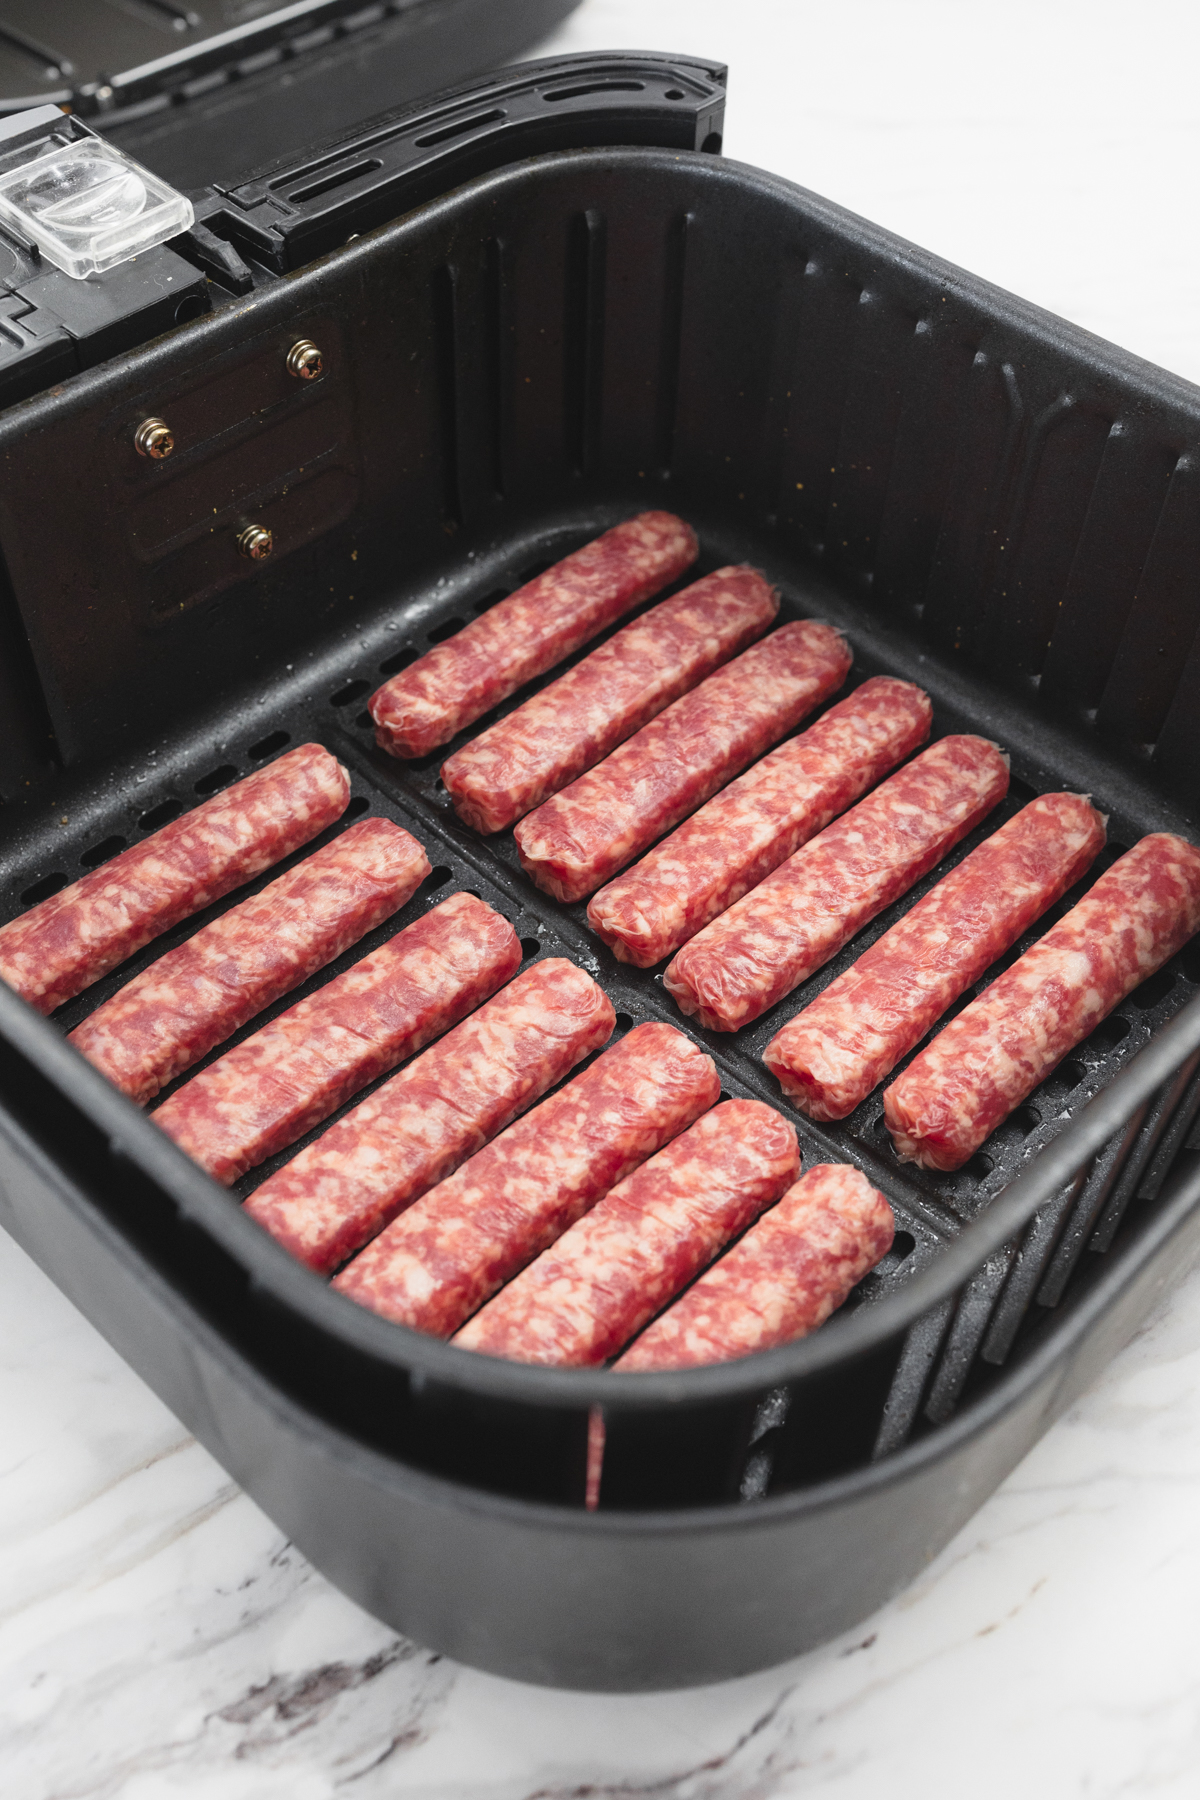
<point x="987" y="500"/>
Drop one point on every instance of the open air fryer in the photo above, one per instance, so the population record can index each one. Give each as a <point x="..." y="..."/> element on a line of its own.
<point x="543" y="303"/>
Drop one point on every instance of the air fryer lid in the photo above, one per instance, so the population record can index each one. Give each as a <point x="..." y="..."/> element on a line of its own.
<point x="199" y="92"/>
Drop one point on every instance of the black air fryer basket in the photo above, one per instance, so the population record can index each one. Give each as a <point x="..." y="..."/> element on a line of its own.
<point x="544" y="303"/>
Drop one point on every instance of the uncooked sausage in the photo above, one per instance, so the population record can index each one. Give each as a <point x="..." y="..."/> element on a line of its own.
<point x="267" y="1092"/>
<point x="535" y="628"/>
<point x="550" y="740"/>
<point x="781" y="1281"/>
<point x="993" y="1055"/>
<point x="586" y="1296"/>
<point x="411" y="1132"/>
<point x="852" y="1036"/>
<point x="200" y="993"/>
<point x="578" y="840"/>
<point x="64" y="944"/>
<point x="795" y="920"/>
<point x="758" y="821"/>
<point x="468" y="1236"/>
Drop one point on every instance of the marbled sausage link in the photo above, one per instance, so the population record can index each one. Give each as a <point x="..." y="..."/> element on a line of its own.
<point x="270" y="1090"/>
<point x="790" y="1271"/>
<point x="794" y="921"/>
<point x="758" y="821"/>
<point x="992" y="1056"/>
<point x="466" y="1238"/>
<point x="578" y="840"/>
<point x="423" y="1122"/>
<point x="64" y="944"/>
<point x="546" y="620"/>
<point x="852" y="1036"/>
<point x="558" y="734"/>
<point x="586" y="1296"/>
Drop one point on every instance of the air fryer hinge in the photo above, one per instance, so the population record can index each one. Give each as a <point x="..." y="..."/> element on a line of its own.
<point x="285" y="215"/>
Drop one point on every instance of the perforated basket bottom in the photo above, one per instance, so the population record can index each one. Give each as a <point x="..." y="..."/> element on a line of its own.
<point x="53" y="840"/>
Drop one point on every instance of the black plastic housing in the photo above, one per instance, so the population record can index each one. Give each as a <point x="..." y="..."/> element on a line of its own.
<point x="200" y="90"/>
<point x="51" y="323"/>
<point x="985" y="499"/>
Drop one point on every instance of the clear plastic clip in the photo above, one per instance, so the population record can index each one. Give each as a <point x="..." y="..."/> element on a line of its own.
<point x="84" y="203"/>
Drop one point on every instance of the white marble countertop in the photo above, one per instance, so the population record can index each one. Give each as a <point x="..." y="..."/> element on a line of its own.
<point x="159" y="1638"/>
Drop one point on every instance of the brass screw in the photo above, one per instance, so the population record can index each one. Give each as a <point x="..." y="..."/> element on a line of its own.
<point x="256" y="542"/>
<point x="305" y="361"/>
<point x="153" y="438"/>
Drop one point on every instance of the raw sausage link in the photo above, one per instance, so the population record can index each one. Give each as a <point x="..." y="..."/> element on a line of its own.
<point x="544" y="621"/>
<point x="782" y="1280"/>
<point x="555" y="736"/>
<point x="735" y="840"/>
<point x="197" y="995"/>
<point x="454" y="1248"/>
<point x="268" y="1091"/>
<point x="795" y="920"/>
<point x="853" y="1035"/>
<point x="580" y="838"/>
<point x="588" y="1294"/>
<point x="988" y="1059"/>
<point x="417" y="1127"/>
<point x="63" y="945"/>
